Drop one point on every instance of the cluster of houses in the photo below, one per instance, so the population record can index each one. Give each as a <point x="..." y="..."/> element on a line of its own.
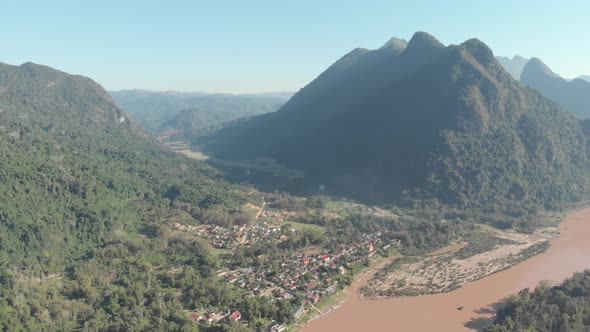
<point x="317" y="270"/>
<point x="264" y="232"/>
<point x="310" y="277"/>
<point x="220" y="237"/>
<point x="215" y="317"/>
<point x="280" y="216"/>
<point x="227" y="238"/>
<point x="306" y="277"/>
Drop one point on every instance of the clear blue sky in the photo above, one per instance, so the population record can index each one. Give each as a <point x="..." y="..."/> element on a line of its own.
<point x="257" y="46"/>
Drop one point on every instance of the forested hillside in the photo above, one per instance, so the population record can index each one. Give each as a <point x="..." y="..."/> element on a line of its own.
<point x="74" y="167"/>
<point x="422" y="121"/>
<point x="83" y="195"/>
<point x="561" y="308"/>
<point x="91" y="212"/>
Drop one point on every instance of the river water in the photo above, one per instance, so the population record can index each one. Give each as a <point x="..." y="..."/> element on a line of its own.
<point x="569" y="253"/>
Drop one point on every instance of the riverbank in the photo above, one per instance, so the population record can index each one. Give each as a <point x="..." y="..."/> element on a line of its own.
<point x="333" y="302"/>
<point x="484" y="253"/>
<point x="478" y="299"/>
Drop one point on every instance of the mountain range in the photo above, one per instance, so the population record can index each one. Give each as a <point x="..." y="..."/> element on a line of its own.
<point x="93" y="208"/>
<point x="514" y="65"/>
<point x="573" y="96"/>
<point x="193" y="113"/>
<point x="420" y="119"/>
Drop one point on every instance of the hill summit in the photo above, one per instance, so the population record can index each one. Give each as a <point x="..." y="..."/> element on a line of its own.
<point x="75" y="170"/>
<point x="428" y="120"/>
<point x="572" y="96"/>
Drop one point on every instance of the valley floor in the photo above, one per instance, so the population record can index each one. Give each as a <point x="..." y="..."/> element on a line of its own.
<point x="183" y="148"/>
<point x="481" y="253"/>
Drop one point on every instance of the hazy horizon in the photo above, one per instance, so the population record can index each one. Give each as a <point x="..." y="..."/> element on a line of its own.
<point x="239" y="48"/>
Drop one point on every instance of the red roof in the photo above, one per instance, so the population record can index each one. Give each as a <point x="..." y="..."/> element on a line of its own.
<point x="196" y="316"/>
<point x="311" y="285"/>
<point x="235" y="315"/>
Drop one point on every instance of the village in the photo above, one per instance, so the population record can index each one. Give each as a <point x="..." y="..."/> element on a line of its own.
<point x="302" y="276"/>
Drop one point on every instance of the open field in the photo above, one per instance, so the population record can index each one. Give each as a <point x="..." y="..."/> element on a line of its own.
<point x="300" y="226"/>
<point x="266" y="165"/>
<point x="340" y="208"/>
<point x="185" y="149"/>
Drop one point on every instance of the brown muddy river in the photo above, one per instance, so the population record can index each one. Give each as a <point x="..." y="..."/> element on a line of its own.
<point x="569" y="253"/>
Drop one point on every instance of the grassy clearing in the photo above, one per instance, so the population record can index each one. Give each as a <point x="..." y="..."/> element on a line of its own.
<point x="212" y="250"/>
<point x="301" y="227"/>
<point x="185" y="149"/>
<point x="267" y="165"/>
<point x="183" y="218"/>
<point x="488" y="229"/>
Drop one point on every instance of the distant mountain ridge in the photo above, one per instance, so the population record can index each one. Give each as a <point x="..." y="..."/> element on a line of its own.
<point x="189" y="124"/>
<point x="81" y="98"/>
<point x="421" y="120"/>
<point x="573" y="96"/>
<point x="514" y="65"/>
<point x="154" y="110"/>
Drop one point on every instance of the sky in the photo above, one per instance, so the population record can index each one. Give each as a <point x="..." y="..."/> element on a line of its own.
<point x="253" y="46"/>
